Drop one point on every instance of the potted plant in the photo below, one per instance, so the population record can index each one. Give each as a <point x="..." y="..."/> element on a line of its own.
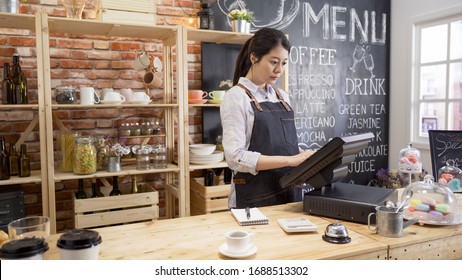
<point x="240" y="20"/>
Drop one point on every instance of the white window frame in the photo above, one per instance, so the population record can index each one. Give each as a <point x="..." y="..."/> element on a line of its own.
<point x="416" y="101"/>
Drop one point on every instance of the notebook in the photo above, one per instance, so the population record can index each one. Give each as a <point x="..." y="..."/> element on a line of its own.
<point x="256" y="217"/>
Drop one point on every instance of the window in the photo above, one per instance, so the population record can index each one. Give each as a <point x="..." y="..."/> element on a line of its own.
<point x="437" y="77"/>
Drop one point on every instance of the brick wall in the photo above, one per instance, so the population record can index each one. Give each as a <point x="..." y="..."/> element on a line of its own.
<point x="88" y="61"/>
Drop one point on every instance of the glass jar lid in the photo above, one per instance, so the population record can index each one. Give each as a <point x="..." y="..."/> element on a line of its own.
<point x="431" y="203"/>
<point x="450" y="176"/>
<point x="79" y="239"/>
<point x="83" y="140"/>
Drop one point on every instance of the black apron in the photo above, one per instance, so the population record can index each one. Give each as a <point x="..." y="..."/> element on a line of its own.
<point x="273" y="134"/>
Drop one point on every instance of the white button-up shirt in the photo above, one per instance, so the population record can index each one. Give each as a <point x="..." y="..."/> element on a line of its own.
<point x="237" y="118"/>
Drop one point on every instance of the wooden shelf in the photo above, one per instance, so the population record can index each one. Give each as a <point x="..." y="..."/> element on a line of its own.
<point x="127" y="170"/>
<point x="10" y="107"/>
<point x="221" y="164"/>
<point x="204" y="105"/>
<point x="219" y="37"/>
<point x="17" y="21"/>
<point x="85" y="107"/>
<point x="111" y="29"/>
<point x="34" y="178"/>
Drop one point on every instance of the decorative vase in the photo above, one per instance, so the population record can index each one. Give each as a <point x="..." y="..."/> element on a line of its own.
<point x="241" y="26"/>
<point x="74" y="8"/>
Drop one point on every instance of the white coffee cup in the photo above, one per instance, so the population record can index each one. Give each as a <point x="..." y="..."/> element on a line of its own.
<point x="140" y="96"/>
<point x="127" y="92"/>
<point x="239" y="241"/>
<point x="142" y="61"/>
<point x="113" y="96"/>
<point x="217" y="94"/>
<point x="104" y="90"/>
<point x="88" y="96"/>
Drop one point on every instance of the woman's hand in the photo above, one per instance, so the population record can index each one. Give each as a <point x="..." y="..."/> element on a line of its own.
<point x="301" y="157"/>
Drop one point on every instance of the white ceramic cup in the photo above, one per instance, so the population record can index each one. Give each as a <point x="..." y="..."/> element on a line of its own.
<point x="127" y="92"/>
<point x="88" y="96"/>
<point x="140" y="96"/>
<point x="239" y="241"/>
<point x="113" y="96"/>
<point x="142" y="61"/>
<point x="153" y="79"/>
<point x="217" y="94"/>
<point x="104" y="90"/>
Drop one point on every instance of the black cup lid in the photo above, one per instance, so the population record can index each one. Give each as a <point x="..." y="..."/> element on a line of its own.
<point x="23" y="248"/>
<point x="79" y="239"/>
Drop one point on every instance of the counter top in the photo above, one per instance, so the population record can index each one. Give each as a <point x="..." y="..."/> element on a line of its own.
<point x="199" y="237"/>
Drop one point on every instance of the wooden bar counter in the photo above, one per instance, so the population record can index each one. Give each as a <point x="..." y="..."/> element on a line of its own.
<point x="199" y="237"/>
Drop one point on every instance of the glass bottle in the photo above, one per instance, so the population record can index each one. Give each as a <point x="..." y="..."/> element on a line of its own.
<point x="84" y="156"/>
<point x="115" y="187"/>
<point x="14" y="160"/>
<point x="7" y="85"/>
<point x="95" y="190"/>
<point x="134" y="185"/>
<point x="4" y="161"/>
<point x="24" y="162"/>
<point x="80" y="194"/>
<point x="19" y="82"/>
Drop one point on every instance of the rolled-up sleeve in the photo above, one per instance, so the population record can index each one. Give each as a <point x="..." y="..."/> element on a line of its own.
<point x="237" y="121"/>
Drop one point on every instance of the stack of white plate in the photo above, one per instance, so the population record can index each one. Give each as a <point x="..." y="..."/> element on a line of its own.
<point x="216" y="156"/>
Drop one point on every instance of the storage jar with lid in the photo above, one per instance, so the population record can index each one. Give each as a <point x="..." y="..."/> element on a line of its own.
<point x="410" y="165"/>
<point x="450" y="176"/>
<point x="65" y="94"/>
<point x="84" y="156"/>
<point x="431" y="203"/>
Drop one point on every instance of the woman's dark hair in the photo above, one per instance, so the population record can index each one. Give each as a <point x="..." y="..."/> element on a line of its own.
<point x="261" y="43"/>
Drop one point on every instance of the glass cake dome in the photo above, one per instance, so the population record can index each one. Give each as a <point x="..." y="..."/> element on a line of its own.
<point x="431" y="203"/>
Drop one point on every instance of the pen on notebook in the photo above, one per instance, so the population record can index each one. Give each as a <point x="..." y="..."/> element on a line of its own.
<point x="247" y="210"/>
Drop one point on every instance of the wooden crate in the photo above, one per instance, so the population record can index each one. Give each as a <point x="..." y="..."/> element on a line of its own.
<point x="123" y="11"/>
<point x="211" y="199"/>
<point x="110" y="210"/>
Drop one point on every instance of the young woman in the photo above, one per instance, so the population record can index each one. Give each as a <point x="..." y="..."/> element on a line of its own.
<point x="259" y="136"/>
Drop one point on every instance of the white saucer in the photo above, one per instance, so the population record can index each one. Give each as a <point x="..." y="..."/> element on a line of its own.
<point x="224" y="250"/>
<point x="213" y="101"/>
<point x="111" y="101"/>
<point x="139" y="101"/>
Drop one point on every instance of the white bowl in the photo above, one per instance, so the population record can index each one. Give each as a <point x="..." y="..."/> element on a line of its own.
<point x="202" y="149"/>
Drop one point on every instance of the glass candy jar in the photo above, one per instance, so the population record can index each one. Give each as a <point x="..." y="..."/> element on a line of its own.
<point x="84" y="156"/>
<point x="450" y="176"/>
<point x="430" y="203"/>
<point x="410" y="165"/>
<point x="102" y="152"/>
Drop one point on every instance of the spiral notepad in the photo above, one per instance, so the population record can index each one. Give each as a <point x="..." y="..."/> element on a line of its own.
<point x="256" y="217"/>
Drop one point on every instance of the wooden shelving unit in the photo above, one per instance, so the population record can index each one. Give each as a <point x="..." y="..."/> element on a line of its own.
<point x="33" y="24"/>
<point x="171" y="103"/>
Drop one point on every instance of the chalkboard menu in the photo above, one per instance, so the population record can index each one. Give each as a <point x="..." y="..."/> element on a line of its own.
<point x="445" y="145"/>
<point x="338" y="72"/>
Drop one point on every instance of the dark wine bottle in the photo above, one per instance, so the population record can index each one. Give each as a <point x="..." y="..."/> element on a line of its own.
<point x="24" y="162"/>
<point x="7" y="85"/>
<point x="4" y="161"/>
<point x="14" y="160"/>
<point x="95" y="190"/>
<point x="80" y="194"/>
<point x="115" y="187"/>
<point x="19" y="82"/>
